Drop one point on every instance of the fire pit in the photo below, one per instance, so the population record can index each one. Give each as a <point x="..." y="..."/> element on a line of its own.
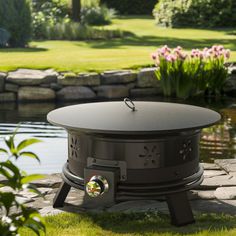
<point x="120" y="151"/>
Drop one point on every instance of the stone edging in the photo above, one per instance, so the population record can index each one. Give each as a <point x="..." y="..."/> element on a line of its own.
<point x="217" y="194"/>
<point x="25" y="85"/>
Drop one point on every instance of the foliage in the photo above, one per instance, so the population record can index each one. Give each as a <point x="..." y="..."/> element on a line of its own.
<point x="195" y="13"/>
<point x="77" y="31"/>
<point x="131" y="7"/>
<point x="184" y="75"/>
<point x="97" y="15"/>
<point x="14" y="214"/>
<point x="46" y="14"/>
<point x="16" y="22"/>
<point x="4" y="37"/>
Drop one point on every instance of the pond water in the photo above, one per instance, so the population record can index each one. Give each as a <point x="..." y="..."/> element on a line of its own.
<point x="218" y="141"/>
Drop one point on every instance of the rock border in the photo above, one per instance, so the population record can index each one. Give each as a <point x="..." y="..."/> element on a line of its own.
<point x="27" y="85"/>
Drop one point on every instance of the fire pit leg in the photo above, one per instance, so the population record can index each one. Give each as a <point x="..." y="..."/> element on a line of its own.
<point x="180" y="209"/>
<point x="61" y="195"/>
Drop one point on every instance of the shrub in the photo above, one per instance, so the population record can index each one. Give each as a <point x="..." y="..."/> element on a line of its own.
<point x="131" y="6"/>
<point x="15" y="17"/>
<point x="48" y="14"/>
<point x="184" y="75"/>
<point x="97" y="15"/>
<point x="4" y="37"/>
<point x="16" y="180"/>
<point x="195" y="13"/>
<point x="76" y="31"/>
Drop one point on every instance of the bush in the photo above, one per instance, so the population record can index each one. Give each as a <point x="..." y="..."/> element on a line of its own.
<point x="131" y="7"/>
<point x="14" y="214"/>
<point x="15" y="17"/>
<point x="96" y="15"/>
<point x="76" y="31"/>
<point x="184" y="75"/>
<point x="195" y="13"/>
<point x="48" y="14"/>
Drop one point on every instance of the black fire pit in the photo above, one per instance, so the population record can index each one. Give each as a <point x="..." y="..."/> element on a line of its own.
<point x="120" y="151"/>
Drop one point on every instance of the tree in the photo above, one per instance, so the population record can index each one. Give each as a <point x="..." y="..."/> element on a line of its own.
<point x="76" y="6"/>
<point x="15" y="17"/>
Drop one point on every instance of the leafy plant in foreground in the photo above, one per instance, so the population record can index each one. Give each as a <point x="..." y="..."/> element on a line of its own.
<point x="184" y="75"/>
<point x="15" y="215"/>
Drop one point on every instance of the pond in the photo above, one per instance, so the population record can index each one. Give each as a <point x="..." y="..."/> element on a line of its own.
<point x="218" y="141"/>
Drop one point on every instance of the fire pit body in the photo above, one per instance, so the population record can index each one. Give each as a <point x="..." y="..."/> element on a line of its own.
<point x="120" y="151"/>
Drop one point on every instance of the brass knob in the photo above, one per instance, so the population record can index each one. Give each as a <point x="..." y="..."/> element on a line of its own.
<point x="96" y="186"/>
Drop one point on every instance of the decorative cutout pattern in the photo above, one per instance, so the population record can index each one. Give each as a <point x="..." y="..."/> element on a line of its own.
<point x="74" y="147"/>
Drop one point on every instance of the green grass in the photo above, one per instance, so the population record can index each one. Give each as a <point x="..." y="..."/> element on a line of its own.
<point x="135" y="224"/>
<point x="130" y="52"/>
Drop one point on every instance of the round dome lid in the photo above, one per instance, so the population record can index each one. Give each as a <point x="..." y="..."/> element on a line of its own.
<point x="123" y="118"/>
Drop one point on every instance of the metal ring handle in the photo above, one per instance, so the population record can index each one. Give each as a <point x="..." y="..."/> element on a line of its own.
<point x="129" y="103"/>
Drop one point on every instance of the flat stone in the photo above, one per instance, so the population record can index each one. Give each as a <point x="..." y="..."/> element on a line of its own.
<point x="201" y="194"/>
<point x="213" y="173"/>
<point x="230" y="85"/>
<point x="215" y="206"/>
<point x="118" y="77"/>
<point x="7" y="97"/>
<point x="147" y="78"/>
<point x="49" y="181"/>
<point x="11" y="87"/>
<point x="23" y="200"/>
<point x="229" y="165"/>
<point x="56" y="86"/>
<point x="29" y="93"/>
<point x="228" y="193"/>
<point x="29" y="194"/>
<point x="112" y="91"/>
<point x="217" y="181"/>
<point x="71" y="93"/>
<point x="232" y="69"/>
<point x="2" y="81"/>
<point x="210" y="166"/>
<point x="82" y="79"/>
<point x="26" y="77"/>
<point x="142" y="92"/>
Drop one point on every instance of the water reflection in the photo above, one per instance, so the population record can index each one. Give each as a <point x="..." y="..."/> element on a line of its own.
<point x="219" y="141"/>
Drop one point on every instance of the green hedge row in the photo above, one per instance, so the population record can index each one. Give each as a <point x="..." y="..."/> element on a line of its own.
<point x="133" y="7"/>
<point x="196" y="13"/>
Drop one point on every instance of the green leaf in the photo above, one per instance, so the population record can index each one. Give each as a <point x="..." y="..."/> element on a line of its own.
<point x="3" y="150"/>
<point x="32" y="188"/>
<point x="30" y="178"/>
<point x="30" y="154"/>
<point x="26" y="143"/>
<point x="9" y="140"/>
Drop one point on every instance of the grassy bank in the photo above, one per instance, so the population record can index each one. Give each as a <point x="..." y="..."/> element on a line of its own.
<point x="129" y="52"/>
<point x="135" y="224"/>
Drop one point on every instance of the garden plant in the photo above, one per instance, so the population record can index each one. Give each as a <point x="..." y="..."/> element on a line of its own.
<point x="14" y="215"/>
<point x="184" y="75"/>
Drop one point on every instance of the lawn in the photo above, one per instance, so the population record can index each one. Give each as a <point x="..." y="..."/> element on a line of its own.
<point x="135" y="224"/>
<point x="129" y="52"/>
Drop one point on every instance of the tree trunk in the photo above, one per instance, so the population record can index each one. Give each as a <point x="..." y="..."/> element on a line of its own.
<point x="76" y="6"/>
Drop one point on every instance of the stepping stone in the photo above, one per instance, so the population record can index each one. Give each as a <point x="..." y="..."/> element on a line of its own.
<point x="229" y="165"/>
<point x="228" y="193"/>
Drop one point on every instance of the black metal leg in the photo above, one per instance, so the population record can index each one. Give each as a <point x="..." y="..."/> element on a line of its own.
<point x="61" y="195"/>
<point x="180" y="209"/>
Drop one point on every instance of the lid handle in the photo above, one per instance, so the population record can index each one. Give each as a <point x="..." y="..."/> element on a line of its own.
<point x="129" y="103"/>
